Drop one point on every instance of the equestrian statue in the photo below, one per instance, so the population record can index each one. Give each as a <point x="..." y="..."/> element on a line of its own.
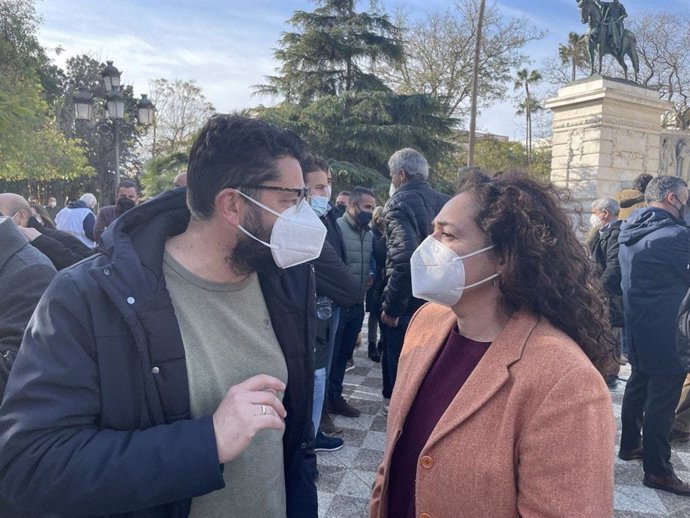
<point x="607" y="35"/>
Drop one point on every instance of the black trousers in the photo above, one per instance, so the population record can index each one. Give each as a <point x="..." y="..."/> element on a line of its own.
<point x="649" y="405"/>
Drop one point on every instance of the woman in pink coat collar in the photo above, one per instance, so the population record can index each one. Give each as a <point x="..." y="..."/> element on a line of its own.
<point x="499" y="409"/>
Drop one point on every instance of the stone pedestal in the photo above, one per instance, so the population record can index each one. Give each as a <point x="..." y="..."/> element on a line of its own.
<point x="605" y="132"/>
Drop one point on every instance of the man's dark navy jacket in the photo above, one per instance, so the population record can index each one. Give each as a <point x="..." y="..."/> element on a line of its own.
<point x="655" y="270"/>
<point x="96" y="418"/>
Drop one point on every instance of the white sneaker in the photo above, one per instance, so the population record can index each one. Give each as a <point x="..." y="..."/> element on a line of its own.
<point x="386" y="404"/>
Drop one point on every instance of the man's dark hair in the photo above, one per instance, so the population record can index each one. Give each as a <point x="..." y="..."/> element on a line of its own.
<point x="660" y="187"/>
<point x="641" y="182"/>
<point x="128" y="184"/>
<point x="312" y="163"/>
<point x="344" y="193"/>
<point x="358" y="192"/>
<point x="232" y="150"/>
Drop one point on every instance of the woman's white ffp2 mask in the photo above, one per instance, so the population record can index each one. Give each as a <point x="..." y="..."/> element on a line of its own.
<point x="438" y="273"/>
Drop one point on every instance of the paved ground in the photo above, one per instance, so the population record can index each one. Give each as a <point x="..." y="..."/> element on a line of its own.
<point x="347" y="475"/>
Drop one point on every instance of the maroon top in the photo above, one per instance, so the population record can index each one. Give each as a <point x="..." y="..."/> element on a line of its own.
<point x="455" y="362"/>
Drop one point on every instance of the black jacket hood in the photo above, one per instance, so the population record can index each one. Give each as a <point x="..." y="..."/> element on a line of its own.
<point x="146" y="227"/>
<point x="643" y="223"/>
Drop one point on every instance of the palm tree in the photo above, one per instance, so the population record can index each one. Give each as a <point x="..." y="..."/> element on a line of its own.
<point x="524" y="79"/>
<point x="574" y="53"/>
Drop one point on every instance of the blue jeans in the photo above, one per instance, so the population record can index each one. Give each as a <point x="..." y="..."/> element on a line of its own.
<point x="350" y="325"/>
<point x="319" y="393"/>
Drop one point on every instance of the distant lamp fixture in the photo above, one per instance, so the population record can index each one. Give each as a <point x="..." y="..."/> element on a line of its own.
<point x="83" y="104"/>
<point x="145" y="110"/>
<point x="111" y="77"/>
<point x="115" y="104"/>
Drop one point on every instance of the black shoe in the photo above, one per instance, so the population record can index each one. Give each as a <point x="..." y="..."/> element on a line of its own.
<point x="374" y="354"/>
<point x="342" y="407"/>
<point x="324" y="443"/>
<point x="677" y="437"/>
<point x="634" y="454"/>
<point x="349" y="365"/>
<point x="670" y="483"/>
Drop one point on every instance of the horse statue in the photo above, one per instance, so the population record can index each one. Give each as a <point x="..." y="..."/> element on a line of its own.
<point x="599" y="39"/>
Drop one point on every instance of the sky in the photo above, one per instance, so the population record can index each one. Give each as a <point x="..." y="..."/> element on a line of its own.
<point x="227" y="46"/>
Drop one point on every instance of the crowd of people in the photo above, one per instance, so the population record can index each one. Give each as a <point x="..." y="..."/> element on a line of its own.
<point x="185" y="356"/>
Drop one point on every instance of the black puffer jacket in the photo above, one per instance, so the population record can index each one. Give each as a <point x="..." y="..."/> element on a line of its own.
<point x="96" y="418"/>
<point x="604" y="249"/>
<point x="408" y="215"/>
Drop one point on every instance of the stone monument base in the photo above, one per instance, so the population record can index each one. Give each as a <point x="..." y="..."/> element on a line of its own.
<point x="605" y="132"/>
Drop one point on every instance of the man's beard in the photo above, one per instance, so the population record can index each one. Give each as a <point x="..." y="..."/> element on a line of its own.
<point x="249" y="255"/>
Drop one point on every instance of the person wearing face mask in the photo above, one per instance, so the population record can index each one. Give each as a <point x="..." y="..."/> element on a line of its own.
<point x="354" y="225"/>
<point x="407" y="215"/>
<point x="171" y="374"/>
<point x="655" y="267"/>
<point x="341" y="203"/>
<point x="336" y="286"/>
<point x="499" y="378"/>
<point x="126" y="198"/>
<point x="604" y="253"/>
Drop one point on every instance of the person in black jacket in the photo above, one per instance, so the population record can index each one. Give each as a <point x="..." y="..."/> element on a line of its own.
<point x="655" y="270"/>
<point x="118" y="402"/>
<point x="62" y="248"/>
<point x="336" y="286"/>
<point x="408" y="215"/>
<point x="604" y="252"/>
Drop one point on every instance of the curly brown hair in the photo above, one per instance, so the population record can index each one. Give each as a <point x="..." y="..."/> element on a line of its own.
<point x="547" y="271"/>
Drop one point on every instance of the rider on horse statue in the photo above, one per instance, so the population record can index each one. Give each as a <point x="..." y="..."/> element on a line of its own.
<point x="613" y="13"/>
<point x="607" y="35"/>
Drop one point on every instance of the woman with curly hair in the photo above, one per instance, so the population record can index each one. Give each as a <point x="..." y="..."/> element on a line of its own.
<point x="501" y="409"/>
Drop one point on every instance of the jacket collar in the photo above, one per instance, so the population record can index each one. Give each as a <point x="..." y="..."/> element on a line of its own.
<point x="11" y="240"/>
<point x="487" y="378"/>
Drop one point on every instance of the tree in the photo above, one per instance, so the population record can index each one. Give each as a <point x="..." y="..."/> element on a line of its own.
<point x="495" y="156"/>
<point x="366" y="128"/>
<point x="181" y="111"/>
<point x="574" y="53"/>
<point x="330" y="52"/>
<point x="344" y="111"/>
<point x="161" y="170"/>
<point x="663" y="40"/>
<point x="439" y="56"/>
<point x="32" y="149"/>
<point x="524" y="80"/>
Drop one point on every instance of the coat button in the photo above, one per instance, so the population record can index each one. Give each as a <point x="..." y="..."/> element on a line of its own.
<point x="130" y="300"/>
<point x="155" y="370"/>
<point x="425" y="515"/>
<point x="426" y="462"/>
<point x="106" y="272"/>
<point x="303" y="445"/>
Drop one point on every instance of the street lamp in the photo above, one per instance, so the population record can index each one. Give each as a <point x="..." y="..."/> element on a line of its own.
<point x="115" y="108"/>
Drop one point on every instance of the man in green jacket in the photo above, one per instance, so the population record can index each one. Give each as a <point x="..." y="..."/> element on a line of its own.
<point x="357" y="240"/>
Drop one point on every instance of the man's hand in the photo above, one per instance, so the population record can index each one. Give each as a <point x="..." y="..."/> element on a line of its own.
<point x="30" y="233"/>
<point x="389" y="320"/>
<point x="248" y="407"/>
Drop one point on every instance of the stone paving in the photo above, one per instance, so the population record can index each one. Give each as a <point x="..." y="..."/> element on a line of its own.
<point x="346" y="476"/>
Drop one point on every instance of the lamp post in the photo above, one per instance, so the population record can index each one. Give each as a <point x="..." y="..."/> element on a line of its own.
<point x="115" y="108"/>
